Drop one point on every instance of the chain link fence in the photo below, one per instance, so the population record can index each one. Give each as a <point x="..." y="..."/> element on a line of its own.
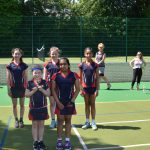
<point x="121" y="36"/>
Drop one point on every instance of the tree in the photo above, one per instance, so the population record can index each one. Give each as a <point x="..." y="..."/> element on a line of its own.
<point x="115" y="8"/>
<point x="10" y="15"/>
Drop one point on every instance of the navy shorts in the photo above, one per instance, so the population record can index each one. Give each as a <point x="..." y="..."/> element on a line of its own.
<point x="17" y="92"/>
<point x="69" y="109"/>
<point x="89" y="90"/>
<point x="38" y="114"/>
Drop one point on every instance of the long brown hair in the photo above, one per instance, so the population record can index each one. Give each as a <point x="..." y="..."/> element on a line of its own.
<point x="17" y="49"/>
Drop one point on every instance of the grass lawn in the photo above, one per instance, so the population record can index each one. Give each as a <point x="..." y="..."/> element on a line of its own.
<point x="73" y="60"/>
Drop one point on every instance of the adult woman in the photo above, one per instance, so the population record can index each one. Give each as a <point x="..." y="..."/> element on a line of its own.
<point x="137" y="64"/>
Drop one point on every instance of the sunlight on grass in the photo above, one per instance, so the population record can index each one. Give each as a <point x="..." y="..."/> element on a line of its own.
<point x="74" y="60"/>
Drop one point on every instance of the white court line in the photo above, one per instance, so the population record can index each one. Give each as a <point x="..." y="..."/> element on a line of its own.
<point x="80" y="138"/>
<point x="130" y="121"/>
<point x="99" y="102"/>
<point x="120" y="147"/>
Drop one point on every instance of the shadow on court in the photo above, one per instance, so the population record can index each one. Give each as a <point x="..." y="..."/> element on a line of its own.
<point x="119" y="127"/>
<point x="21" y="139"/>
<point x="112" y="127"/>
<point x="119" y="89"/>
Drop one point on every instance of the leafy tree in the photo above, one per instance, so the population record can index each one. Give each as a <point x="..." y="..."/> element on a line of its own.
<point x="115" y="8"/>
<point x="10" y="15"/>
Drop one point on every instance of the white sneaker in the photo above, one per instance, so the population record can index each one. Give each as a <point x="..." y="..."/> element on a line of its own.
<point x="93" y="125"/>
<point x="86" y="125"/>
<point x="53" y="124"/>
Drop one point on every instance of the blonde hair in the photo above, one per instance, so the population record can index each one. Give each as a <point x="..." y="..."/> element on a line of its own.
<point x="141" y="55"/>
<point x="54" y="48"/>
<point x="101" y="44"/>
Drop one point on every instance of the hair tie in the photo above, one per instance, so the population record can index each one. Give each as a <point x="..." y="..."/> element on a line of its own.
<point x="37" y="69"/>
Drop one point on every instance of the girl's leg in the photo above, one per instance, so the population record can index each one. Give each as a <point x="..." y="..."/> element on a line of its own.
<point x="35" y="134"/>
<point x="60" y="121"/>
<point x="52" y="109"/>
<point x="87" y="106"/>
<point x="139" y="75"/>
<point x="92" y="103"/>
<point x="14" y="102"/>
<point x="22" y="108"/>
<point x="40" y="130"/>
<point x="67" y="131"/>
<point x="68" y="126"/>
<point x="107" y="81"/>
<point x="41" y="133"/>
<point x="93" y="111"/>
<point x="87" y="111"/>
<point x="134" y="78"/>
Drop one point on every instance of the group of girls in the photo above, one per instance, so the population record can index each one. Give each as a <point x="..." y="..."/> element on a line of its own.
<point x="62" y="86"/>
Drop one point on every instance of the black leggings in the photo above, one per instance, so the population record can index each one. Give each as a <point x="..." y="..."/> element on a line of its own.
<point x="137" y="74"/>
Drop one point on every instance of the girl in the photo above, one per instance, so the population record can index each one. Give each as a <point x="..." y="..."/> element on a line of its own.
<point x="89" y="79"/>
<point x="137" y="64"/>
<point x="16" y="73"/>
<point x="50" y="68"/>
<point x="100" y="60"/>
<point x="63" y="84"/>
<point x="37" y="90"/>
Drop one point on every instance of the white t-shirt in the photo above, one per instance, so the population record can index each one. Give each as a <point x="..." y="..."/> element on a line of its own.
<point x="137" y="63"/>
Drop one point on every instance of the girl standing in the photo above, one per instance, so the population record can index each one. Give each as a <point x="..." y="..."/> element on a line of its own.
<point x="16" y="73"/>
<point x="63" y="84"/>
<point x="37" y="90"/>
<point x="137" y="64"/>
<point x="50" y="68"/>
<point x="89" y="79"/>
<point x="100" y="60"/>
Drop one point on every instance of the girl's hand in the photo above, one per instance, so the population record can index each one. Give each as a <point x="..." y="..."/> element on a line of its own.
<point x="34" y="89"/>
<point x="96" y="93"/>
<point x="60" y="105"/>
<point x="40" y="88"/>
<point x="82" y="93"/>
<point x="9" y="93"/>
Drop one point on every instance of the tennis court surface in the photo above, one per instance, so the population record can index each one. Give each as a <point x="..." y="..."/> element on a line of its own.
<point x="123" y="119"/>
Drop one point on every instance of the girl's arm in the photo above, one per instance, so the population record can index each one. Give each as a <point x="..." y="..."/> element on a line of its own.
<point x="45" y="92"/>
<point x="8" y="78"/>
<point x="29" y="93"/>
<point x="44" y="73"/>
<point x="131" y="63"/>
<point x="96" y="58"/>
<point x="80" y="82"/>
<point x="97" y="79"/>
<point x="80" y="77"/>
<point x="25" y="76"/>
<point x="97" y="82"/>
<point x="60" y="105"/>
<point x="144" y="62"/>
<point x="103" y="59"/>
<point x="77" y="89"/>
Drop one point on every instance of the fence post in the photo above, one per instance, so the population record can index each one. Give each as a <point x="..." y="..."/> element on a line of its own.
<point x="81" y="37"/>
<point x="32" y="44"/>
<point x="126" y="39"/>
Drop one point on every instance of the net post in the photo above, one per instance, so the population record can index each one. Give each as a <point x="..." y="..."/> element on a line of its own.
<point x="126" y="39"/>
<point x="81" y="37"/>
<point x="32" y="44"/>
